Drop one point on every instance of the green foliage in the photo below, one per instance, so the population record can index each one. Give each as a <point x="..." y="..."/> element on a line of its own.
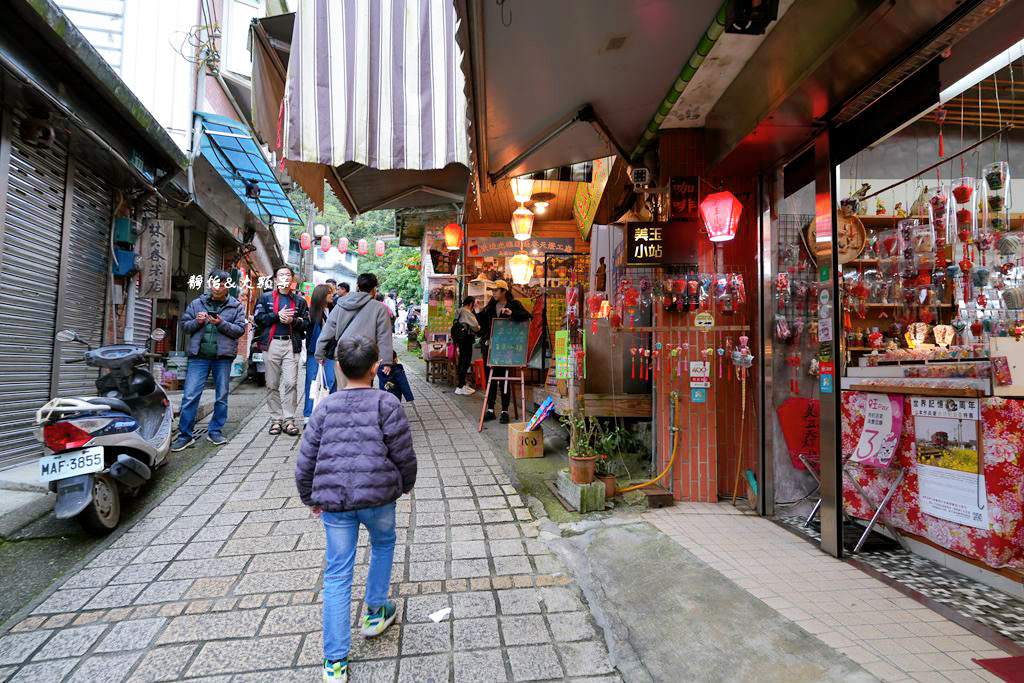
<point x="392" y="270"/>
<point x="367" y="226"/>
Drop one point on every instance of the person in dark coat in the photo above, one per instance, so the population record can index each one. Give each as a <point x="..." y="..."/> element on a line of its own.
<point x="501" y="305"/>
<point x="213" y="322"/>
<point x="282" y="317"/>
<point x="355" y="461"/>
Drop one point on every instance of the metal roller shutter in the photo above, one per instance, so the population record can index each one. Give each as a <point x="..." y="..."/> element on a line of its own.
<point x="214" y="251"/>
<point x="28" y="288"/>
<point x="143" y="317"/>
<point x="83" y="294"/>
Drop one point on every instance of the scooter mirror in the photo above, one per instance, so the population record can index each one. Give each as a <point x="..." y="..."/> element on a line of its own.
<point x="157" y="335"/>
<point x="66" y="336"/>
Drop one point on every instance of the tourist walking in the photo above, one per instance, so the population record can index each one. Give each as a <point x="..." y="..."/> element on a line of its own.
<point x="213" y="322"/>
<point x="358" y="315"/>
<point x="282" y="317"/>
<point x="355" y="461"/>
<point x="464" y="331"/>
<point x="321" y="304"/>
<point x="501" y="305"/>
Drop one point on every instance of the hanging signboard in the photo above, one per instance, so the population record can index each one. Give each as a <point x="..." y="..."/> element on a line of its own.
<point x="883" y="425"/>
<point x="661" y="243"/>
<point x="704" y="320"/>
<point x="682" y="198"/>
<point x="155" y="259"/>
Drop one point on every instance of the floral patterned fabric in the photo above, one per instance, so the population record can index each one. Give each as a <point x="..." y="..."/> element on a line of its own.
<point x="1003" y="462"/>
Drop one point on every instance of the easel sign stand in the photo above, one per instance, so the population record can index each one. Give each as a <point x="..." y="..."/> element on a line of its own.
<point x="507" y="352"/>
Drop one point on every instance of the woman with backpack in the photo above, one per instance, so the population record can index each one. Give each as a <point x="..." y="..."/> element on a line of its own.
<point x="464" y="331"/>
<point x="321" y="305"/>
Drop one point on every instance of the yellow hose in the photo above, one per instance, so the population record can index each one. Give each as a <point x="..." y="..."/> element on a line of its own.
<point x="671" y="460"/>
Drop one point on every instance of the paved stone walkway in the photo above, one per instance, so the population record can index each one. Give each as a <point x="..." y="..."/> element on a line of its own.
<point x="221" y="580"/>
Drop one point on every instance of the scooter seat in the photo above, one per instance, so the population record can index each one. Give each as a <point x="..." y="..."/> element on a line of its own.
<point x="112" y="403"/>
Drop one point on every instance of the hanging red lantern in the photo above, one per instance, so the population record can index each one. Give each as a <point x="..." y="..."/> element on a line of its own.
<point x="453" y="236"/>
<point x="379" y="248"/>
<point x="305" y="241"/>
<point x="721" y="214"/>
<point x="325" y="244"/>
<point x="343" y="245"/>
<point x="363" y="248"/>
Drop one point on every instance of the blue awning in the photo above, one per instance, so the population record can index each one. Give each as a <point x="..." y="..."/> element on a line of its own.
<point x="230" y="148"/>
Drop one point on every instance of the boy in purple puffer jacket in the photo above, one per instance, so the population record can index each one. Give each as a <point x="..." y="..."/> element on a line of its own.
<point x="356" y="460"/>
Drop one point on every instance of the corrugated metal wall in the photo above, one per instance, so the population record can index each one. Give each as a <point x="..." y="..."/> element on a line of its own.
<point x="83" y="293"/>
<point x="143" y="317"/>
<point x="28" y="287"/>
<point x="214" y="252"/>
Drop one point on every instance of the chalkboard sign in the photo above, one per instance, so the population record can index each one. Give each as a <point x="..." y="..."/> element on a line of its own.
<point x="509" y="343"/>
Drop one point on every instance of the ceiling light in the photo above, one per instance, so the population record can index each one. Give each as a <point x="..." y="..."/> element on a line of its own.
<point x="522" y="223"/>
<point x="540" y="207"/>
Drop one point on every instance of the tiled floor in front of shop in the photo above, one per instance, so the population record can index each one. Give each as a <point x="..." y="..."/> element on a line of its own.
<point x="1001" y="612"/>
<point x="889" y="634"/>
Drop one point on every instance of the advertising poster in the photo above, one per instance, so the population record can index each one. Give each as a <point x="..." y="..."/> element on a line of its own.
<point x="948" y="455"/>
<point x="883" y="424"/>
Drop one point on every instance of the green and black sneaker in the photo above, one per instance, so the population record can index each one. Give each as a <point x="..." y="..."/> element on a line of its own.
<point x="336" y="671"/>
<point x="377" y="620"/>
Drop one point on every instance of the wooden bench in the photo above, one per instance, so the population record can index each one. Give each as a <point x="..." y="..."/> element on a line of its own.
<point x="440" y="370"/>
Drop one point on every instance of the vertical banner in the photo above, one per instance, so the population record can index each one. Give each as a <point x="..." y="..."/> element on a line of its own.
<point x="155" y="266"/>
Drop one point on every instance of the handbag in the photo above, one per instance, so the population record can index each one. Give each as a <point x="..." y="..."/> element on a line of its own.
<point x="319" y="390"/>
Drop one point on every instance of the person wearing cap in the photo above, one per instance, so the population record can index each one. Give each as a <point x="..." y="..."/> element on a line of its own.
<point x="213" y="322"/>
<point x="501" y="305"/>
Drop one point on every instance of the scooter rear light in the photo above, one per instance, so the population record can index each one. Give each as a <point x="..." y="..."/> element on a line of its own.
<point x="62" y="436"/>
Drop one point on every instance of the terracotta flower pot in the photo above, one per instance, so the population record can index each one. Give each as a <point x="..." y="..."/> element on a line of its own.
<point x="581" y="469"/>
<point x="609" y="485"/>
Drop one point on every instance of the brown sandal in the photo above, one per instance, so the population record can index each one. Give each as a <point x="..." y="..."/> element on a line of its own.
<point x="275" y="429"/>
<point x="290" y="429"/>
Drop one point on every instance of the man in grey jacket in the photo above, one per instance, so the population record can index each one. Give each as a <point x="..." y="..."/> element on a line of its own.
<point x="358" y="314"/>
<point x="213" y="322"/>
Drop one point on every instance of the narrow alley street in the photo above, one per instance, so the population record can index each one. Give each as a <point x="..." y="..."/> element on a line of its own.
<point x="221" y="580"/>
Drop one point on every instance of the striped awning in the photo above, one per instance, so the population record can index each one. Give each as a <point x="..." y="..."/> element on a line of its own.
<point x="377" y="83"/>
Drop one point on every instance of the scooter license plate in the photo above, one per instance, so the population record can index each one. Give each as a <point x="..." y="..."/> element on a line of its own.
<point x="71" y="463"/>
<point x="257" y="358"/>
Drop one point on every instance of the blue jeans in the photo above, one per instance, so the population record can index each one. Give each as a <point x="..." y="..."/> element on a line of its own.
<point x="342" y="532"/>
<point x="195" y="380"/>
<point x="311" y="367"/>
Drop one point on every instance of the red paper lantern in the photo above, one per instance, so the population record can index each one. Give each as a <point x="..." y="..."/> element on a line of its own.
<point x="721" y="215"/>
<point x="325" y="244"/>
<point x="363" y="249"/>
<point x="379" y="248"/>
<point x="453" y="236"/>
<point x="343" y="245"/>
<point x="305" y="241"/>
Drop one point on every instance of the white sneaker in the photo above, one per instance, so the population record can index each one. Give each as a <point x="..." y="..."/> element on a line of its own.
<point x="468" y="391"/>
<point x="460" y="391"/>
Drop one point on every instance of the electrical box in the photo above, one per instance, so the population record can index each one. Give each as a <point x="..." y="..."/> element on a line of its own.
<point x="124" y="263"/>
<point x="123" y="232"/>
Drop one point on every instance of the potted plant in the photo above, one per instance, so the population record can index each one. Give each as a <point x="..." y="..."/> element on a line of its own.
<point x="582" y="458"/>
<point x="603" y="472"/>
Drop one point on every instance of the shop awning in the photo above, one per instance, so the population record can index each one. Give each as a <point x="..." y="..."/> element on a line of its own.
<point x="373" y="101"/>
<point x="230" y="148"/>
<point x="568" y="81"/>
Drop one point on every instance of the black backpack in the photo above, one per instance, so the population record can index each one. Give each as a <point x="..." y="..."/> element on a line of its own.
<point x="461" y="332"/>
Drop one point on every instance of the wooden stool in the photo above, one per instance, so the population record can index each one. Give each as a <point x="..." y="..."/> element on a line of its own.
<point x="438" y="370"/>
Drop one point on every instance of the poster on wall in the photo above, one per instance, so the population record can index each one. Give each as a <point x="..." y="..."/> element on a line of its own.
<point x="883" y="425"/>
<point x="948" y="450"/>
<point x="682" y="198"/>
<point x="488" y="255"/>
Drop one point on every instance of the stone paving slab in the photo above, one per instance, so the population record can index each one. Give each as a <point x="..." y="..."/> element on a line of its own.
<point x="221" y="581"/>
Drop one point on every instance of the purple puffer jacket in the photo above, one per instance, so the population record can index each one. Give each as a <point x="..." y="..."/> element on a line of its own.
<point x="356" y="452"/>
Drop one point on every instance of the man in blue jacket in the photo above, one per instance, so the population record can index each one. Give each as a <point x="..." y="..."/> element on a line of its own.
<point x="213" y="322"/>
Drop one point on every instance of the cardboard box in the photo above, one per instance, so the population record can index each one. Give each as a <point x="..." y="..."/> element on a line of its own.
<point x="523" y="444"/>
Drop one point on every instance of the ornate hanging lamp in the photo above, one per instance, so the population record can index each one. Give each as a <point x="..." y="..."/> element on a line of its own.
<point x="721" y="215"/>
<point x="453" y="236"/>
